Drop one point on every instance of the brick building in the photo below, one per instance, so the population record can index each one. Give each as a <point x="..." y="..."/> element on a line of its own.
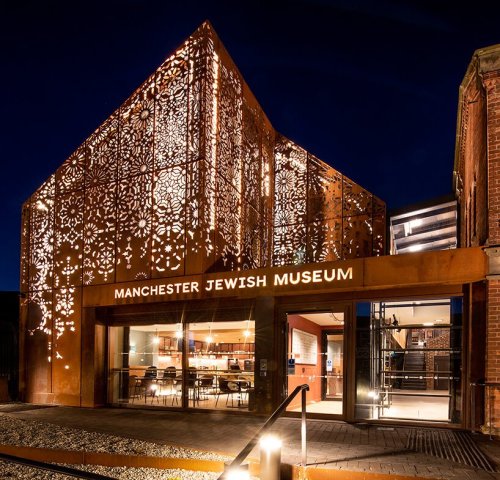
<point x="477" y="187"/>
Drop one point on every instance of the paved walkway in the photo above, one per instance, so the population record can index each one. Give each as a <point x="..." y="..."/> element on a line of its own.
<point x="331" y="444"/>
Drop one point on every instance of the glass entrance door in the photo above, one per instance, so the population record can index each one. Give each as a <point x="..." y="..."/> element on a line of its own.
<point x="333" y="384"/>
<point x="316" y="357"/>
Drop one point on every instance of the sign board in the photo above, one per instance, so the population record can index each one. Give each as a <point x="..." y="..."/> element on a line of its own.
<point x="305" y="346"/>
<point x="291" y="366"/>
<point x="329" y="365"/>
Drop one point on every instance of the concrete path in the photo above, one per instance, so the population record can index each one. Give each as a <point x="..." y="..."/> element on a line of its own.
<point x="331" y="444"/>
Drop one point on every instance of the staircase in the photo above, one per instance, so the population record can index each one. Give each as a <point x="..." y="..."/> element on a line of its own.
<point x="414" y="367"/>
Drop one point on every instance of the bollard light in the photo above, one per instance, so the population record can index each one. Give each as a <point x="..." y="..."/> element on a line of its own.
<point x="237" y="474"/>
<point x="270" y="457"/>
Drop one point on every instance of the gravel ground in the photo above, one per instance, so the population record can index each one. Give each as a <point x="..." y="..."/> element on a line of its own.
<point x="12" y="471"/>
<point x="15" y="431"/>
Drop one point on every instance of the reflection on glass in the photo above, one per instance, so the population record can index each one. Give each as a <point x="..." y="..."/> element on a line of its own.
<point x="146" y="365"/>
<point x="221" y="365"/>
<point x="408" y="360"/>
<point x="316" y="357"/>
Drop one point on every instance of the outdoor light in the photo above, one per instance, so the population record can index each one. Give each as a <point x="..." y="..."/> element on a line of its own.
<point x="270" y="442"/>
<point x="237" y="474"/>
<point x="270" y="457"/>
<point x="373" y="394"/>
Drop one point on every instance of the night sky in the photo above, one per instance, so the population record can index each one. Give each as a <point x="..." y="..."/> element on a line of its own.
<point x="369" y="87"/>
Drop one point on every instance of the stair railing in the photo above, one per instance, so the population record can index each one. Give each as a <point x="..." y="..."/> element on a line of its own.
<point x="245" y="451"/>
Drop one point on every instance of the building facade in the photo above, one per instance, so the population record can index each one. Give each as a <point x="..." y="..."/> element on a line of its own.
<point x="189" y="256"/>
<point x="477" y="188"/>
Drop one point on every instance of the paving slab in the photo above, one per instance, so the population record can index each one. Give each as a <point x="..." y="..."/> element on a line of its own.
<point x="331" y="444"/>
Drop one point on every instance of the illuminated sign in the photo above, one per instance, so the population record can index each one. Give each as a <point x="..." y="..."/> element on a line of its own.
<point x="236" y="283"/>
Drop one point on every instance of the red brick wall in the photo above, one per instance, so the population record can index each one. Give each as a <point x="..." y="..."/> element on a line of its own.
<point x="493" y="343"/>
<point x="492" y="84"/>
<point x="478" y="169"/>
<point x="441" y="341"/>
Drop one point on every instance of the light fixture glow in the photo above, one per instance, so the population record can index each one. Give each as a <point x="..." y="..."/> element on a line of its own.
<point x="416" y="223"/>
<point x="237" y="474"/>
<point x="373" y="394"/>
<point x="270" y="442"/>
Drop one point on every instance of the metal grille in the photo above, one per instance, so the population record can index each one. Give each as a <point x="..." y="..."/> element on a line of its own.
<point x="449" y="445"/>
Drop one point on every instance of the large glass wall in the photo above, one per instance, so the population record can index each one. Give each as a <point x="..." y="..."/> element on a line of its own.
<point x="206" y="365"/>
<point x="146" y="365"/>
<point x="408" y="360"/>
<point x="221" y="361"/>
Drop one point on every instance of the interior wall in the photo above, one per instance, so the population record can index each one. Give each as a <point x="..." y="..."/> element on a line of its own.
<point x="305" y="373"/>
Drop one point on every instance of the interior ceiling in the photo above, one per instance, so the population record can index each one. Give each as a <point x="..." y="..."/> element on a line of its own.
<point x="205" y="326"/>
<point x="221" y="332"/>
<point x="325" y="319"/>
<point x="419" y="315"/>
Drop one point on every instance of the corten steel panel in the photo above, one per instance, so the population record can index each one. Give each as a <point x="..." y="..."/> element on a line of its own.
<point x="228" y="235"/>
<point x="357" y="236"/>
<point x="133" y="229"/>
<point x="68" y="240"/>
<point x="267" y="198"/>
<point x="325" y="241"/>
<point x="25" y="247"/>
<point x="101" y="157"/>
<point x="66" y="343"/>
<point x="38" y="343"/>
<point x="357" y="200"/>
<point x="229" y="116"/>
<point x="172" y="116"/>
<point x="41" y="243"/>
<point x="251" y="156"/>
<point x="99" y="233"/>
<point x="446" y="267"/>
<point x="290" y="184"/>
<point x="169" y="221"/>
<point x="70" y="176"/>
<point x="251" y="238"/>
<point x="379" y="232"/>
<point x="324" y="191"/>
<point x="289" y="244"/>
<point x="194" y="250"/>
<point x="136" y="122"/>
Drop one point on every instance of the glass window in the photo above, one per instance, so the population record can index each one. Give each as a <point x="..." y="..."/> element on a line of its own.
<point x="221" y="365"/>
<point x="146" y="365"/>
<point x="408" y="360"/>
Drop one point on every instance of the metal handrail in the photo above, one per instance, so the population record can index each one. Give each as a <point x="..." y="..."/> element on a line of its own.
<point x="72" y="472"/>
<point x="245" y="451"/>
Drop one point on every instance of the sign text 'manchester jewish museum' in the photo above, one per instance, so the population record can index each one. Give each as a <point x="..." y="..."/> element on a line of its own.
<point x="237" y="283"/>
